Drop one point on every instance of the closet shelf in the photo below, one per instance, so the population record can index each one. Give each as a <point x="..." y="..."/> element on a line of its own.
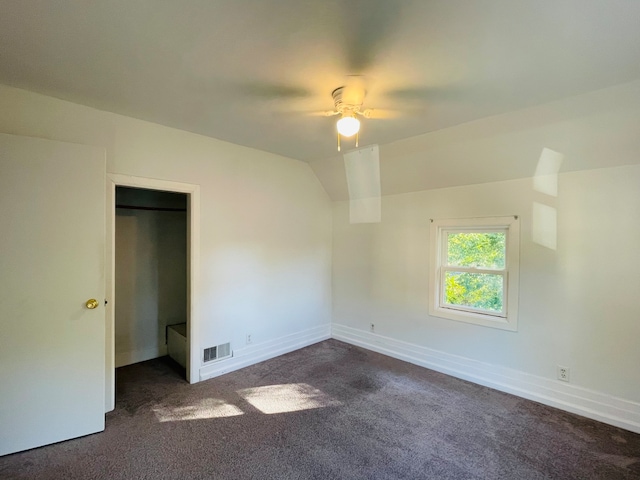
<point x="157" y="209"/>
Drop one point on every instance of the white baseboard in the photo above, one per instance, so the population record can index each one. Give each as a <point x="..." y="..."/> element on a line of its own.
<point x="588" y="403"/>
<point x="127" y="358"/>
<point x="251" y="354"/>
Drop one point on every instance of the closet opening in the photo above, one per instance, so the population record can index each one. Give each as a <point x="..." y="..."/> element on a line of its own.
<point x="151" y="276"/>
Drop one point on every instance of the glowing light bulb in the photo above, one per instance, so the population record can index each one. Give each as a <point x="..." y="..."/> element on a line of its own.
<point x="348" y="126"/>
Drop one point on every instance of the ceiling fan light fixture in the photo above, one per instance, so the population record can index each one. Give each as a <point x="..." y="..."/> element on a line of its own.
<point x="348" y="126"/>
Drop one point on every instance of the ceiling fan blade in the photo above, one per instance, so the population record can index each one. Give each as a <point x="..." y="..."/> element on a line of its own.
<point x="252" y="90"/>
<point x="269" y="91"/>
<point x="432" y="94"/>
<point x="366" y="25"/>
<point x="382" y="113"/>
<point x="323" y="113"/>
<point x="310" y="113"/>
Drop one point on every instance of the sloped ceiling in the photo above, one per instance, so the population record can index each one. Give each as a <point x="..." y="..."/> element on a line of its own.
<point x="594" y="130"/>
<point x="248" y="71"/>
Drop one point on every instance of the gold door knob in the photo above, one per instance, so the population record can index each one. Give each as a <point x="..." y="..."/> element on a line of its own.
<point x="92" y="303"/>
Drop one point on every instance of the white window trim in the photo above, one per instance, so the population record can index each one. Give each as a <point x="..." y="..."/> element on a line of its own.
<point x="506" y="320"/>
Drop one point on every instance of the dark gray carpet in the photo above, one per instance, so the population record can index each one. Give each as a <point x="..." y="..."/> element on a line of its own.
<point x="329" y="411"/>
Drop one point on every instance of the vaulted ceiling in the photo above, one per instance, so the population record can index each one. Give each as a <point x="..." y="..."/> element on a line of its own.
<point x="250" y="71"/>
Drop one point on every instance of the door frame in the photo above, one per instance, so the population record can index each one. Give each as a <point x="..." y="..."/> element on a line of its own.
<point x="193" y="263"/>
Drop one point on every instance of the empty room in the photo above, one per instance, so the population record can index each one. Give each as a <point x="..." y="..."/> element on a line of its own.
<point x="337" y="239"/>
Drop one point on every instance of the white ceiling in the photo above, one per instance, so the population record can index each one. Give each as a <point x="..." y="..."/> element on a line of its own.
<point x="246" y="71"/>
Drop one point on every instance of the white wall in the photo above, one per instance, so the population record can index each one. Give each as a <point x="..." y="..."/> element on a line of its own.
<point x="265" y="245"/>
<point x="579" y="303"/>
<point x="579" y="281"/>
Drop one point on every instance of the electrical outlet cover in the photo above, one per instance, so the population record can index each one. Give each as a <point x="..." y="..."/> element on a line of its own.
<point x="563" y="373"/>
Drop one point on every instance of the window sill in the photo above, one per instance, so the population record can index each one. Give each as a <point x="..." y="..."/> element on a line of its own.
<point x="509" y="323"/>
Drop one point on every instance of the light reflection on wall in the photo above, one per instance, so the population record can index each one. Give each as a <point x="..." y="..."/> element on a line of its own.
<point x="545" y="230"/>
<point x="363" y="180"/>
<point x="545" y="216"/>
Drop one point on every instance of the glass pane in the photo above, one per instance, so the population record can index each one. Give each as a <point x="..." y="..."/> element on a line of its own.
<point x="475" y="249"/>
<point x="476" y="290"/>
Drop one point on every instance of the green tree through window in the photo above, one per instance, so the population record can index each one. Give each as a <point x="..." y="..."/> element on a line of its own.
<point x="474" y="270"/>
<point x="483" y="250"/>
<point x="475" y="250"/>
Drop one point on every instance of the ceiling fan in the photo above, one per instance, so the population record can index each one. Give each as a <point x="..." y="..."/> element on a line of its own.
<point x="348" y="103"/>
<point x="367" y="28"/>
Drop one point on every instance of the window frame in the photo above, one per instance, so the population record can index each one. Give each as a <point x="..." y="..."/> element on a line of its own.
<point x="507" y="319"/>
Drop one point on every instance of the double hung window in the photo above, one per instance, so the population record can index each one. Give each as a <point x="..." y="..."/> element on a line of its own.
<point x="474" y="275"/>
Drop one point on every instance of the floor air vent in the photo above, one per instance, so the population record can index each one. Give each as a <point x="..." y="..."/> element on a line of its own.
<point x="217" y="353"/>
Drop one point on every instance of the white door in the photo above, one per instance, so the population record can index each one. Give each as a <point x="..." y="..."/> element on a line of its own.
<point x="52" y="347"/>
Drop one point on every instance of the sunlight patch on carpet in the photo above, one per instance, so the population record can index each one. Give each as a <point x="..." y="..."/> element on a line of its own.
<point x="284" y="398"/>
<point x="203" y="409"/>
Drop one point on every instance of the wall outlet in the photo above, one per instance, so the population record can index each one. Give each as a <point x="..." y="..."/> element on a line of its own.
<point x="563" y="373"/>
<point x="249" y="339"/>
<point x="373" y="327"/>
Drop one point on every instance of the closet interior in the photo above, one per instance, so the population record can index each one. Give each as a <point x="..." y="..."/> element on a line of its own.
<point x="150" y="275"/>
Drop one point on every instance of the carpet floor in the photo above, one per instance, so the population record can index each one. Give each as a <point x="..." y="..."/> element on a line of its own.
<point x="329" y="411"/>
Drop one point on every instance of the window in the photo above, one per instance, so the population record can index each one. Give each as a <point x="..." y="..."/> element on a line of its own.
<point x="474" y="270"/>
